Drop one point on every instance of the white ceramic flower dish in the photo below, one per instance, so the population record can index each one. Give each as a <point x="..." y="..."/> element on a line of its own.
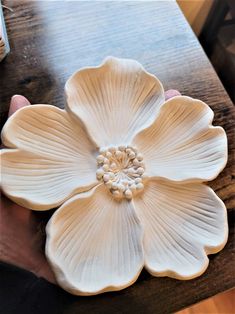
<point x="126" y="170"/>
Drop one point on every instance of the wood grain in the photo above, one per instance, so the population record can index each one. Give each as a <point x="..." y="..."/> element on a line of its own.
<point x="50" y="40"/>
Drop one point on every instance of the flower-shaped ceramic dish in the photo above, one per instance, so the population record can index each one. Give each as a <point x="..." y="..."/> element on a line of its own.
<point x="126" y="170"/>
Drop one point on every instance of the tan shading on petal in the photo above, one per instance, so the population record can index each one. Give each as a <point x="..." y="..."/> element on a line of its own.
<point x="115" y="100"/>
<point x="94" y="243"/>
<point x="182" y="223"/>
<point x="181" y="144"/>
<point x="53" y="159"/>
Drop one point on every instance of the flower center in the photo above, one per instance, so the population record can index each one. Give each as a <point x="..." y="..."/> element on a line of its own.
<point x="121" y="169"/>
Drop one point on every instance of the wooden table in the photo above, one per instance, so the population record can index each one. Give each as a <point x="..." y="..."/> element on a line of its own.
<point x="50" y="40"/>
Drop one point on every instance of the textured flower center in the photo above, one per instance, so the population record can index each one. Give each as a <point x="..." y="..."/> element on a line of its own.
<point x="121" y="169"/>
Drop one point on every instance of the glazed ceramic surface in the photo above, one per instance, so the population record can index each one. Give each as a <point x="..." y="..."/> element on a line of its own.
<point x="126" y="170"/>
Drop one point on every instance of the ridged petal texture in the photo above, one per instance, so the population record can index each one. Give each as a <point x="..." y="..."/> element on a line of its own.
<point x="182" y="223"/>
<point x="95" y="243"/>
<point x="114" y="100"/>
<point x="181" y="144"/>
<point x="52" y="157"/>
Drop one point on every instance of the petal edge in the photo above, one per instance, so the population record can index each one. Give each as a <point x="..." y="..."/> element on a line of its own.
<point x="100" y="248"/>
<point x="183" y="223"/>
<point x="182" y="145"/>
<point x="114" y="100"/>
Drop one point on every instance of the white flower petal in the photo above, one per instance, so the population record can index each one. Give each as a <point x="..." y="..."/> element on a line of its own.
<point x="94" y="243"/>
<point x="182" y="223"/>
<point x="181" y="144"/>
<point x="54" y="157"/>
<point x="115" y="100"/>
